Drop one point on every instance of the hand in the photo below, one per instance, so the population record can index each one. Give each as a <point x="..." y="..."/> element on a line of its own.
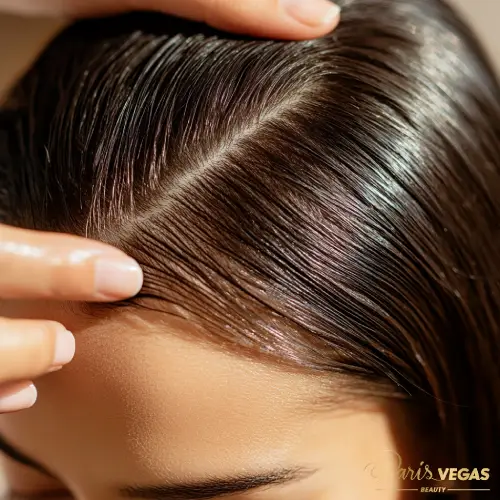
<point x="288" y="19"/>
<point x="36" y="265"/>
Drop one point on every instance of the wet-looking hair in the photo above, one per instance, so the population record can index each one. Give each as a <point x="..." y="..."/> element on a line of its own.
<point x="332" y="204"/>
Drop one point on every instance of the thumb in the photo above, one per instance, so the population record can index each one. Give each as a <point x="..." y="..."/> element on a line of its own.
<point x="286" y="19"/>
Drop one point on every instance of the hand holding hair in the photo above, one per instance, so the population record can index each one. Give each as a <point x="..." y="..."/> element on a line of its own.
<point x="287" y="19"/>
<point x="38" y="265"/>
<point x="51" y="266"/>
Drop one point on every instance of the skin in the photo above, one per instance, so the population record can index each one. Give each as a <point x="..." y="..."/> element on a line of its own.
<point x="287" y="19"/>
<point x="49" y="266"/>
<point x="143" y="403"/>
<point x="39" y="265"/>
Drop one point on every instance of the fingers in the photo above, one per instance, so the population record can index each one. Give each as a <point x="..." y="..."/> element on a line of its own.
<point x="30" y="348"/>
<point x="62" y="267"/>
<point x="15" y="397"/>
<point x="287" y="19"/>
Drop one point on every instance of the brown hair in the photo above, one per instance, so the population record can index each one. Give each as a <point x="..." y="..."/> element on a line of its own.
<point x="333" y="204"/>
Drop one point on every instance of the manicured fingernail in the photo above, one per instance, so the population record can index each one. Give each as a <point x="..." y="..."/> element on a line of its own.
<point x="20" y="400"/>
<point x="312" y="12"/>
<point x="118" y="279"/>
<point x="65" y="348"/>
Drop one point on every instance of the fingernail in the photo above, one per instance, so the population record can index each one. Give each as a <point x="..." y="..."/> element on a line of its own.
<point x="118" y="279"/>
<point x="21" y="400"/>
<point x="64" y="349"/>
<point x="312" y="12"/>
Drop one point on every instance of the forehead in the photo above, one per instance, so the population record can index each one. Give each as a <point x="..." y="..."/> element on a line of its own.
<point x="142" y="393"/>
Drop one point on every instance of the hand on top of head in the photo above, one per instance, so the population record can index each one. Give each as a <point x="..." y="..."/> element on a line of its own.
<point x="62" y="267"/>
<point x="287" y="19"/>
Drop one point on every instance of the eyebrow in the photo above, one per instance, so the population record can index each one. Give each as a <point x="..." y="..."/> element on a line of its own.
<point x="212" y="488"/>
<point x="215" y="488"/>
<point x="19" y="457"/>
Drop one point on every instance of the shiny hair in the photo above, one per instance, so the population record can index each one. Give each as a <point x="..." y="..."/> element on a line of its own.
<point x="331" y="204"/>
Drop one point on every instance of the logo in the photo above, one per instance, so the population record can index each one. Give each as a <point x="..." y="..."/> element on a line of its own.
<point x="426" y="479"/>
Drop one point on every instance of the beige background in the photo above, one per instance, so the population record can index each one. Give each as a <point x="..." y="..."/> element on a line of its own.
<point x="20" y="39"/>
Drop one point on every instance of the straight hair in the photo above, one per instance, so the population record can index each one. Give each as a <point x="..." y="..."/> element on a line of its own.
<point x="333" y="204"/>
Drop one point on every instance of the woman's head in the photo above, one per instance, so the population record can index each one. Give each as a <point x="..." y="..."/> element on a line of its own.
<point x="318" y="227"/>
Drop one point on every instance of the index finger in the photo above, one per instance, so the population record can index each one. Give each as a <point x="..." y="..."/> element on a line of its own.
<point x="286" y="19"/>
<point x="37" y="265"/>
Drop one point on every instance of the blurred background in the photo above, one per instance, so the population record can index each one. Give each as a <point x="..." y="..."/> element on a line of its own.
<point x="21" y="39"/>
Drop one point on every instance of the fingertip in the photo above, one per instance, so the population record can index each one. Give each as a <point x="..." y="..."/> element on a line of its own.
<point x="18" y="397"/>
<point x="285" y="19"/>
<point x="316" y="14"/>
<point x="117" y="279"/>
<point x="64" y="348"/>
